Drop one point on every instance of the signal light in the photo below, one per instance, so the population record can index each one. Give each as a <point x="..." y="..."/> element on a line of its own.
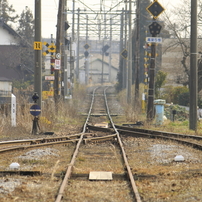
<point x="155" y="28"/>
<point x="105" y="48"/>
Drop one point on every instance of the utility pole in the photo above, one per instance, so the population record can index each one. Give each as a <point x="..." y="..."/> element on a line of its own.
<point x="130" y="58"/>
<point x="73" y="20"/>
<point x="121" y="65"/>
<point x="193" y="79"/>
<point x="103" y="49"/>
<point x="87" y="56"/>
<point x="125" y="68"/>
<point x="103" y="52"/>
<point x="99" y="29"/>
<point x="78" y="41"/>
<point x="65" y="72"/>
<point x="137" y="55"/>
<point x="72" y="55"/>
<point x="110" y="50"/>
<point x="38" y="53"/>
<point x="59" y="34"/>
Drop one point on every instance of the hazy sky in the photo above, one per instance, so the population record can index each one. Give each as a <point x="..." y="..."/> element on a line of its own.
<point x="50" y="9"/>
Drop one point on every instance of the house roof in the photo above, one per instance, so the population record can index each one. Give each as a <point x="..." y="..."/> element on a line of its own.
<point x="98" y="59"/>
<point x="114" y="58"/>
<point x="13" y="32"/>
<point x="96" y="56"/>
<point x="9" y="29"/>
<point x="4" y="79"/>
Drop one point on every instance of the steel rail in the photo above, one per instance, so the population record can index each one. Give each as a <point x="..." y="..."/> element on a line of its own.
<point x="133" y="184"/>
<point x="38" y="140"/>
<point x="142" y="130"/>
<point x="85" y="140"/>
<point x="69" y="168"/>
<point x="150" y="135"/>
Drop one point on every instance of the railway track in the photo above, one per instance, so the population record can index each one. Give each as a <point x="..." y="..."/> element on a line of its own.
<point x="7" y="146"/>
<point x="189" y="140"/>
<point x="101" y="142"/>
<point x="101" y="117"/>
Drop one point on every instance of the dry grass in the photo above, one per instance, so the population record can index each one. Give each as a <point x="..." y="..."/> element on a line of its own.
<point x="95" y="191"/>
<point x="174" y="181"/>
<point x="132" y="115"/>
<point x="179" y="182"/>
<point x="61" y="118"/>
<point x="37" y="188"/>
<point x="99" y="157"/>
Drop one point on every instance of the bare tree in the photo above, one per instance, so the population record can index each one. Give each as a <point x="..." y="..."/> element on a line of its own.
<point x="179" y="25"/>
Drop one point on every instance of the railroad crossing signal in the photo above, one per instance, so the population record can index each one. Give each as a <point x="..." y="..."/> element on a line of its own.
<point x="51" y="48"/>
<point x="86" y="46"/>
<point x="155" y="9"/>
<point x="155" y="28"/>
<point x="124" y="54"/>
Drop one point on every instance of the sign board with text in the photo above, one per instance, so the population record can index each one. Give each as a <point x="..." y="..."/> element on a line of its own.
<point x="49" y="78"/>
<point x="57" y="64"/>
<point x="154" y="39"/>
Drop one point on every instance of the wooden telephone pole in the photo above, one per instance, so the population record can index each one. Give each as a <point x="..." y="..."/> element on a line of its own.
<point x="38" y="52"/>
<point x="59" y="34"/>
<point x="193" y="79"/>
<point x="137" y="55"/>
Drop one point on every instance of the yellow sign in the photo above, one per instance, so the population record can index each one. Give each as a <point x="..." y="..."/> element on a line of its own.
<point x="37" y="45"/>
<point x="47" y="94"/>
<point x="146" y="59"/>
<point x="51" y="48"/>
<point x="155" y="9"/>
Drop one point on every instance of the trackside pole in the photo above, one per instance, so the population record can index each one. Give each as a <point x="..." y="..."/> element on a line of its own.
<point x="13" y="110"/>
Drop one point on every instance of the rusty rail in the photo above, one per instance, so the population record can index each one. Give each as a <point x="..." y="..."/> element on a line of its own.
<point x="132" y="181"/>
<point x="69" y="168"/>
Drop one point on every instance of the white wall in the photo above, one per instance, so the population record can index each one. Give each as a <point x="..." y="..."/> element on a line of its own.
<point x="5" y="86"/>
<point x="6" y="38"/>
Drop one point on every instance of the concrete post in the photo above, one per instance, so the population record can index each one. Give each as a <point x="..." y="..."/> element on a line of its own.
<point x="159" y="106"/>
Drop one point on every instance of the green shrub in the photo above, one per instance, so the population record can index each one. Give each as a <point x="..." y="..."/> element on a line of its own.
<point x="184" y="99"/>
<point x="176" y="95"/>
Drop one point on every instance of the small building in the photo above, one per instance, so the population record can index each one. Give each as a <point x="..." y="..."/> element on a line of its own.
<point x="99" y="70"/>
<point x="5" y="90"/>
<point x="11" y="66"/>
